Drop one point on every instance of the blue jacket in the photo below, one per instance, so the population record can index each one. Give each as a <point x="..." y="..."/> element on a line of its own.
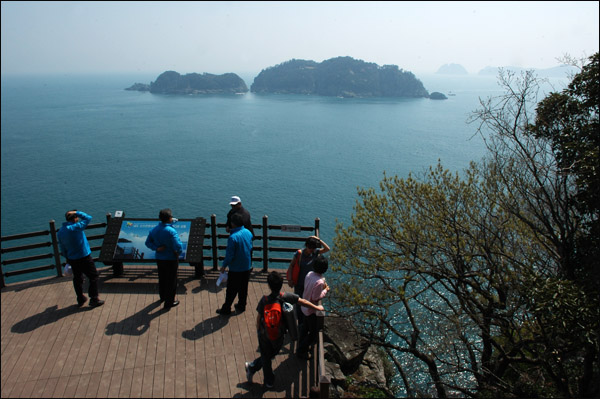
<point x="165" y="235"/>
<point x="238" y="256"/>
<point x="73" y="242"/>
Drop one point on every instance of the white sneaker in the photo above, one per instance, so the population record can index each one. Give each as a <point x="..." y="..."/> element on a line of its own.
<point x="249" y="373"/>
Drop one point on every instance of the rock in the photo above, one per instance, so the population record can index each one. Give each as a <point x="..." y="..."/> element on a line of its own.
<point x="347" y="347"/>
<point x="351" y="362"/>
<point x="436" y="95"/>
<point x="139" y="87"/>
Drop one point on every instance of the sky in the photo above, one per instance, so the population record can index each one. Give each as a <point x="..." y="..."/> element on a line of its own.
<point x="247" y="37"/>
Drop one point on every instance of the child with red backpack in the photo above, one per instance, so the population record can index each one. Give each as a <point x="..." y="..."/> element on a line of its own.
<point x="270" y="325"/>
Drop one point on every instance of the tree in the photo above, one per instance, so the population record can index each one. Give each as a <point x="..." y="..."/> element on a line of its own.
<point x="569" y="121"/>
<point x="464" y="280"/>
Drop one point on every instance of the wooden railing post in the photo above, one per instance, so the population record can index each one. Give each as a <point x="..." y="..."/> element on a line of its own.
<point x="265" y="235"/>
<point x="317" y="228"/>
<point x="117" y="267"/>
<point x="213" y="238"/>
<point x="324" y="380"/>
<point x="2" y="283"/>
<point x="57" y="261"/>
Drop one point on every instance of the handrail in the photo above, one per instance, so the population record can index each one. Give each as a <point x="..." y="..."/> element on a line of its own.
<point x="212" y="246"/>
<point x="324" y="379"/>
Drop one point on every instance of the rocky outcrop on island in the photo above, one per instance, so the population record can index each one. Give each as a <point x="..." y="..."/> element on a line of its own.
<point x="139" y="87"/>
<point x="452" y="69"/>
<point x="341" y="77"/>
<point x="436" y="95"/>
<point x="355" y="367"/>
<point x="171" y="82"/>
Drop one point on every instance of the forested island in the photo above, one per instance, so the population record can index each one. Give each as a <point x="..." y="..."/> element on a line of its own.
<point x="171" y="82"/>
<point x="341" y="77"/>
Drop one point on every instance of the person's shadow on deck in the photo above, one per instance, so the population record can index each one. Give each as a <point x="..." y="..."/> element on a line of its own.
<point x="205" y="328"/>
<point x="136" y="324"/>
<point x="50" y="315"/>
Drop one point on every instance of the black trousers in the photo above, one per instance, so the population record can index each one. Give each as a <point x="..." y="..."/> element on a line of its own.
<point x="167" y="280"/>
<point x="237" y="285"/>
<point x="309" y="333"/>
<point x="268" y="350"/>
<point x="80" y="267"/>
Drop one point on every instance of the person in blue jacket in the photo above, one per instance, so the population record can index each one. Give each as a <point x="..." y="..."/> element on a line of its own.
<point x="164" y="239"/>
<point x="238" y="258"/>
<point x="75" y="247"/>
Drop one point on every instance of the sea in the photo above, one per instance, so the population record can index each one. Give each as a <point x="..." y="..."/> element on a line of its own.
<point x="84" y="142"/>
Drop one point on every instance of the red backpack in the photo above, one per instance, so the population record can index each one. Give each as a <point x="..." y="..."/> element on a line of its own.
<point x="294" y="270"/>
<point x="272" y="318"/>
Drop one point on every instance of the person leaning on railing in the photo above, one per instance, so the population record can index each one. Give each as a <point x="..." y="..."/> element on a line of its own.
<point x="315" y="289"/>
<point x="75" y="247"/>
<point x="304" y="260"/>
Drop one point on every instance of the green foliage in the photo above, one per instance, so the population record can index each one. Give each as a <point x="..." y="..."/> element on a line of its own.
<point x="468" y="281"/>
<point x="341" y="76"/>
<point x="569" y="120"/>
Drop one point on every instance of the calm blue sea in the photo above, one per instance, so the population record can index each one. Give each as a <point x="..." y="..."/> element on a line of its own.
<point x="84" y="142"/>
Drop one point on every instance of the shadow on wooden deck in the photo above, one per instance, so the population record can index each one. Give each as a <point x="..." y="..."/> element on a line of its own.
<point x="132" y="346"/>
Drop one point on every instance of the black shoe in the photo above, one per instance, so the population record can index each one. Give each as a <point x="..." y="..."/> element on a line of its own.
<point x="175" y="303"/>
<point x="96" y="302"/>
<point x="223" y="312"/>
<point x="81" y="301"/>
<point x="239" y="308"/>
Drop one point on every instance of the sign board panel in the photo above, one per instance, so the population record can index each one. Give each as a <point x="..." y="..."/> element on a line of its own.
<point x="125" y="240"/>
<point x="291" y="228"/>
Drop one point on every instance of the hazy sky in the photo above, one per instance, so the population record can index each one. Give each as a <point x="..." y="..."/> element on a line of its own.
<point x="246" y="37"/>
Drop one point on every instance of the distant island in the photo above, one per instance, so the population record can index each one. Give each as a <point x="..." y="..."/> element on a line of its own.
<point x="452" y="69"/>
<point x="438" y="96"/>
<point x="340" y="77"/>
<point x="171" y="82"/>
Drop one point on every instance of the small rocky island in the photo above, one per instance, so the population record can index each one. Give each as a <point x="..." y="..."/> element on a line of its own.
<point x="340" y="77"/>
<point x="436" y="95"/>
<point x="171" y="82"/>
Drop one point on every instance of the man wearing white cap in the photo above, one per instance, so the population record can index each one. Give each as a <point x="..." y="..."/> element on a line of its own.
<point x="236" y="207"/>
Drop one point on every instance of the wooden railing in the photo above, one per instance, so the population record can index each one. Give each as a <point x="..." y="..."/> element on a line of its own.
<point x="29" y="248"/>
<point x="211" y="247"/>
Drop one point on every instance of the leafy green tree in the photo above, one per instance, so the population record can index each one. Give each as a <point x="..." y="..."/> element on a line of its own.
<point x="464" y="280"/>
<point x="569" y="120"/>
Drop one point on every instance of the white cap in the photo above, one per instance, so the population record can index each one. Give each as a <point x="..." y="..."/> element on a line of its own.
<point x="235" y="200"/>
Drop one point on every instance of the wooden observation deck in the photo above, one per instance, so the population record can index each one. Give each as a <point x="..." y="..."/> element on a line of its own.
<point x="131" y="347"/>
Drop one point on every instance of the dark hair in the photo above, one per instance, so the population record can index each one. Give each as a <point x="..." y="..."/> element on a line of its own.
<point x="237" y="220"/>
<point x="165" y="215"/>
<point x="311" y="243"/>
<point x="321" y="264"/>
<point x="71" y="216"/>
<point x="275" y="281"/>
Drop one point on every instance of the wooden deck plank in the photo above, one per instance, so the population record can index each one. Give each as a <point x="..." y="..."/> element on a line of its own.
<point x="131" y="346"/>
